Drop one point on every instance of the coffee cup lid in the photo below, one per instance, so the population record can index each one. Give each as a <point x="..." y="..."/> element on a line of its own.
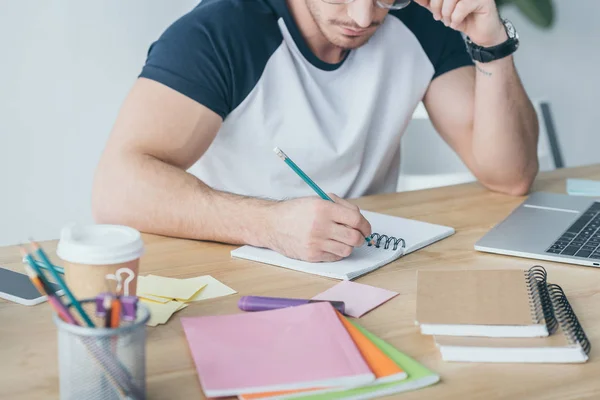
<point x="99" y="244"/>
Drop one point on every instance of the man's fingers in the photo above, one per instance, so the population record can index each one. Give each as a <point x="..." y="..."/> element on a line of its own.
<point x="462" y="10"/>
<point x="447" y="10"/>
<point x="423" y="3"/>
<point x="351" y="218"/>
<point x="361" y="224"/>
<point x="435" y="6"/>
<point x="317" y="256"/>
<point x="346" y="235"/>
<point x="336" y="248"/>
<point x="343" y="202"/>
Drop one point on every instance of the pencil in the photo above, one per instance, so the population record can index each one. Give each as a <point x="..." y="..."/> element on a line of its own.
<point x="119" y="378"/>
<point x="40" y="252"/>
<point x="33" y="270"/>
<point x="58" y="269"/>
<point x="115" y="309"/>
<point x="306" y="179"/>
<point x="107" y="303"/>
<point x="53" y="299"/>
<point x="33" y="267"/>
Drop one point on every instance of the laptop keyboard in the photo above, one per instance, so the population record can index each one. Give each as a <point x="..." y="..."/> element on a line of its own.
<point x="582" y="238"/>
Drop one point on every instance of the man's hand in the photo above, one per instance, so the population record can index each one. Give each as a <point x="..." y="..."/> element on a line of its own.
<point x="478" y="19"/>
<point x="484" y="113"/>
<point x="316" y="230"/>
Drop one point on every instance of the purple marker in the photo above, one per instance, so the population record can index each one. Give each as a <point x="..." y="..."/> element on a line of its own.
<point x="259" y="303"/>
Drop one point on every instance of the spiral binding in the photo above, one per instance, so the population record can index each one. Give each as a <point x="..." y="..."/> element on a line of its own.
<point x="567" y="319"/>
<point x="549" y="302"/>
<point x="539" y="298"/>
<point x="387" y="241"/>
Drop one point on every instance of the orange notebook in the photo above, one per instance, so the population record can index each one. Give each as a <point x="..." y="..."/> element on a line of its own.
<point x="384" y="369"/>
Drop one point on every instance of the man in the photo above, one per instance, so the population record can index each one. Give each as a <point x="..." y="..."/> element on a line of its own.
<point x="333" y="83"/>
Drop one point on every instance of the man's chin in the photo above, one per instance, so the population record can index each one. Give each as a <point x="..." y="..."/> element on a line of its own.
<point x="349" y="42"/>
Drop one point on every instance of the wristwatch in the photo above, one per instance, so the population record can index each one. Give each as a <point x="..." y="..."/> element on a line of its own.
<point x="488" y="54"/>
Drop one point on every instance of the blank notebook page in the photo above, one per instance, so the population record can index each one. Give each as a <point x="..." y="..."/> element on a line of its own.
<point x="291" y="348"/>
<point x="363" y="259"/>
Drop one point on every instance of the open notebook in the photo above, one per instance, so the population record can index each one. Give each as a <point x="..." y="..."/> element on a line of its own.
<point x="395" y="236"/>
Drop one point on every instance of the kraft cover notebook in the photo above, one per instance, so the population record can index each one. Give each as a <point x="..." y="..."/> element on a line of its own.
<point x="567" y="342"/>
<point x="285" y="349"/>
<point x="394" y="237"/>
<point x="490" y="303"/>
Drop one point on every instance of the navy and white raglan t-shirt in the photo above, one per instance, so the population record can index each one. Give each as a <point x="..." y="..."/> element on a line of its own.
<point x="247" y="61"/>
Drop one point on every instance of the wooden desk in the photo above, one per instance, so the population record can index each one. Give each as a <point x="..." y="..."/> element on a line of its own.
<point x="28" y="348"/>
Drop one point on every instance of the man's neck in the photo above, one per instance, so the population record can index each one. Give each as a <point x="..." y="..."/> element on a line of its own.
<point x="317" y="42"/>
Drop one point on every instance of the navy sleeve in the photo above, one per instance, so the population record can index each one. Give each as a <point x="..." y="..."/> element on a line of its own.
<point x="216" y="53"/>
<point x="444" y="46"/>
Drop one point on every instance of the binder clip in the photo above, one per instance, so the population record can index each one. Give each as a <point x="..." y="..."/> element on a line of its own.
<point x="100" y="310"/>
<point x="100" y="298"/>
<point x="129" y="303"/>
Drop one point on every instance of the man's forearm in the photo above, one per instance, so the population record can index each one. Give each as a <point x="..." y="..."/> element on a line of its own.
<point x="505" y="129"/>
<point x="154" y="197"/>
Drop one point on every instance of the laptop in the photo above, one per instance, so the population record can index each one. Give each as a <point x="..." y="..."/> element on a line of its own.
<point x="548" y="226"/>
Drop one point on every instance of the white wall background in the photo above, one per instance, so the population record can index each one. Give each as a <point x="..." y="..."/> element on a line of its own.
<point x="66" y="66"/>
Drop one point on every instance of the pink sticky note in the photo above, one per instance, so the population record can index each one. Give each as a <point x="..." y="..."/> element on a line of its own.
<point x="358" y="297"/>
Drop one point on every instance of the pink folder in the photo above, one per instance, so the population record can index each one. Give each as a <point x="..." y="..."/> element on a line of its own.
<point x="286" y="349"/>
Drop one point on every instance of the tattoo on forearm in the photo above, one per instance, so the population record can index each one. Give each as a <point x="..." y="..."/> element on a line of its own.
<point x="486" y="73"/>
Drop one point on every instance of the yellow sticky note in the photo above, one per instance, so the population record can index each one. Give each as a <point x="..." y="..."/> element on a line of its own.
<point x="213" y="288"/>
<point x="156" y="299"/>
<point x="170" y="288"/>
<point x="160" y="313"/>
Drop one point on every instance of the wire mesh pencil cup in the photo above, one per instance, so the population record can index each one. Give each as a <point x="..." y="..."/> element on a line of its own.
<point x="102" y="363"/>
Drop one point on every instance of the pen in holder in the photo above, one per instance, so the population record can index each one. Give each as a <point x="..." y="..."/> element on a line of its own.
<point x="102" y="363"/>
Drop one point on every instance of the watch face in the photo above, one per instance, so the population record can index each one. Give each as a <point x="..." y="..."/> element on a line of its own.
<point x="510" y="29"/>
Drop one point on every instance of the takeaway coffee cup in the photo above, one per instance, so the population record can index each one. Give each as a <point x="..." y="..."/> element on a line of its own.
<point x="90" y="252"/>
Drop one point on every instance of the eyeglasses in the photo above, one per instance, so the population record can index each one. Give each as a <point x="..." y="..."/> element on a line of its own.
<point x="387" y="4"/>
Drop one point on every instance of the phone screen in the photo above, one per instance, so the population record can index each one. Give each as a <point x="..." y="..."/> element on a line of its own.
<point x="19" y="285"/>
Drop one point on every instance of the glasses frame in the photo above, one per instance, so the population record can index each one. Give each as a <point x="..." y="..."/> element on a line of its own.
<point x="379" y="4"/>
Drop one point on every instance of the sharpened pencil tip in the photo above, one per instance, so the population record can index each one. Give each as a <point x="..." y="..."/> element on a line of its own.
<point x="23" y="251"/>
<point x="34" y="244"/>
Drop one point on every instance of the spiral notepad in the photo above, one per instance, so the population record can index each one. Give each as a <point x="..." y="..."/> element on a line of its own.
<point x="492" y="303"/>
<point x="393" y="236"/>
<point x="566" y="342"/>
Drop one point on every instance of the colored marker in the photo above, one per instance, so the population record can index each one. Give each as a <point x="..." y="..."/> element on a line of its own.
<point x="260" y="303"/>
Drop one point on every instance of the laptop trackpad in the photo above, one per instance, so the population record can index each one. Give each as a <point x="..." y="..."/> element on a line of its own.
<point x="529" y="230"/>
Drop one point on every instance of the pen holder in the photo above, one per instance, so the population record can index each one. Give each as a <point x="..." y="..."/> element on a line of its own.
<point x="102" y="363"/>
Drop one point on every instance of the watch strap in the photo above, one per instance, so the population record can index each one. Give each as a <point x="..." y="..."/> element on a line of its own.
<point x="488" y="54"/>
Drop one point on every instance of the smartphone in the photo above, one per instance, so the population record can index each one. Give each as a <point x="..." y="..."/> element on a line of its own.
<point x="18" y="288"/>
